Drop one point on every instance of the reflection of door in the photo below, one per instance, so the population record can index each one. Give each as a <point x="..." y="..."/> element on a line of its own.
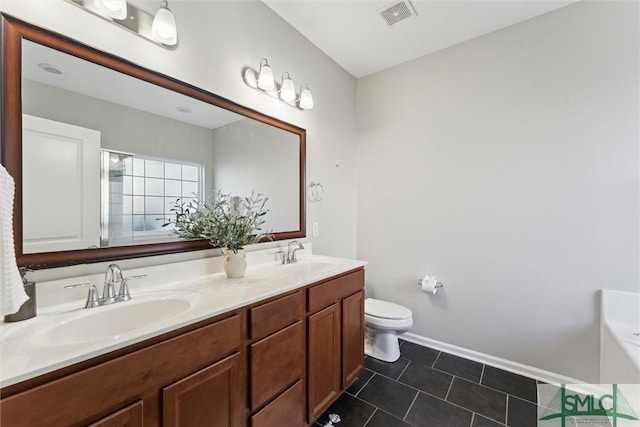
<point x="61" y="186"/>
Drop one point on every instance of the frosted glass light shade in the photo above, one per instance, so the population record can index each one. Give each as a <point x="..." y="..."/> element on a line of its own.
<point x="287" y="90"/>
<point x="306" y="99"/>
<point x="164" y="27"/>
<point x="265" y="78"/>
<point x="116" y="9"/>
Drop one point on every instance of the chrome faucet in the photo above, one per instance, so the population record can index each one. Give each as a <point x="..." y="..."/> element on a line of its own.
<point x="290" y="256"/>
<point x="92" y="297"/>
<point x="112" y="277"/>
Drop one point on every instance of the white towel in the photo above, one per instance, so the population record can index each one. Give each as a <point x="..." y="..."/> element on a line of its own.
<point x="12" y="294"/>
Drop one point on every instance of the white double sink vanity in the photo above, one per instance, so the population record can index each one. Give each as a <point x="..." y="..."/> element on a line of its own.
<point x="276" y="322"/>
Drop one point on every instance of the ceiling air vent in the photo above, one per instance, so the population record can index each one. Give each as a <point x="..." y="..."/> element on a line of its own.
<point x="396" y="12"/>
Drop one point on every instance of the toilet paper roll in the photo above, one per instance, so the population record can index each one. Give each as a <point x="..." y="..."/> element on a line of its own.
<point x="430" y="284"/>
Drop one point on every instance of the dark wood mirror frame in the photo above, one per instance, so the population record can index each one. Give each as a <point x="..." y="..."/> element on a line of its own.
<point x="12" y="32"/>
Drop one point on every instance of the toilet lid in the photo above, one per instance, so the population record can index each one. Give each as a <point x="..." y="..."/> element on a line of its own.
<point x="385" y="309"/>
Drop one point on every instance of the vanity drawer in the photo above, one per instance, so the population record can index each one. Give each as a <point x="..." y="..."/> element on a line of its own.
<point x="275" y="315"/>
<point x="131" y="416"/>
<point x="326" y="293"/>
<point x="286" y="410"/>
<point x="276" y="362"/>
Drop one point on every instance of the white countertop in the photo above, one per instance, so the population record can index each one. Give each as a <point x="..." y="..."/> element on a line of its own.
<point x="32" y="347"/>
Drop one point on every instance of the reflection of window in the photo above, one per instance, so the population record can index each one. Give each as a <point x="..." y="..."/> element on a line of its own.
<point x="141" y="192"/>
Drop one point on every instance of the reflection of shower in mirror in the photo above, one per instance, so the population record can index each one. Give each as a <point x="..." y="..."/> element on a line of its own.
<point x="138" y="193"/>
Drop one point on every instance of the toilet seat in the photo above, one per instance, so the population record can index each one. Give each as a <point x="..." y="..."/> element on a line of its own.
<point x="385" y="310"/>
<point x="388" y="324"/>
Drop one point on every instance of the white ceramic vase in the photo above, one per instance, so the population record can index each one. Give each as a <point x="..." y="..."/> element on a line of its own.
<point x="235" y="264"/>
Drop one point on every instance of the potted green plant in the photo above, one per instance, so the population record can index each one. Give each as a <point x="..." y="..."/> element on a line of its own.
<point x="229" y="223"/>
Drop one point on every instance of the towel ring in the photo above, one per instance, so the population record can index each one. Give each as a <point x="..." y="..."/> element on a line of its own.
<point x="316" y="192"/>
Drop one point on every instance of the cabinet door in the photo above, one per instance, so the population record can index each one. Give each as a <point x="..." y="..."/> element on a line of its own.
<point x="208" y="398"/>
<point x="352" y="337"/>
<point x="131" y="416"/>
<point x="324" y="359"/>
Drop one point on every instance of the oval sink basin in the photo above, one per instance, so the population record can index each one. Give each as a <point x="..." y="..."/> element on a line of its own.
<point x="113" y="320"/>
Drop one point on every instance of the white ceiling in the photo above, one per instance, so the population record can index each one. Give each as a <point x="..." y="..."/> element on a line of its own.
<point x="92" y="80"/>
<point x="355" y="36"/>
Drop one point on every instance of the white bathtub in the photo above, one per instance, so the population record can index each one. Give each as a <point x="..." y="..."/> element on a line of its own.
<point x="619" y="347"/>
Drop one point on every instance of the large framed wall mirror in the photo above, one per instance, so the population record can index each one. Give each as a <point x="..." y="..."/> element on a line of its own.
<point x="101" y="149"/>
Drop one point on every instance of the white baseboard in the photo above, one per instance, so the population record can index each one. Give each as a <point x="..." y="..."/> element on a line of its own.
<point x="487" y="359"/>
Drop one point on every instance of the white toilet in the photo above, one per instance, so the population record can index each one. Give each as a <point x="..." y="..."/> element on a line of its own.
<point x="383" y="321"/>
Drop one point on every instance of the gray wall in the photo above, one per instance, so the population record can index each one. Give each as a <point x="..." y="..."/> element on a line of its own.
<point x="122" y="128"/>
<point x="272" y="168"/>
<point x="508" y="167"/>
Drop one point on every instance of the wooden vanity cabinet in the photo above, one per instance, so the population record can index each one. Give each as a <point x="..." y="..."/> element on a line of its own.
<point x="144" y="386"/>
<point x="335" y="345"/>
<point x="279" y="362"/>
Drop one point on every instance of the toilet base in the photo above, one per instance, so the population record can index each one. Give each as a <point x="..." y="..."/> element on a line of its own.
<point x="382" y="345"/>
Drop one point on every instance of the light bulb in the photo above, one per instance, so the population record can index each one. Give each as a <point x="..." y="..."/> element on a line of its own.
<point x="265" y="78"/>
<point x="164" y="28"/>
<point x="116" y="9"/>
<point x="306" y="99"/>
<point x="287" y="89"/>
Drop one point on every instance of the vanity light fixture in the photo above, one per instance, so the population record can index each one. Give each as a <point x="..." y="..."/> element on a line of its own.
<point x="164" y="27"/>
<point x="285" y="91"/>
<point x="159" y="28"/>
<point x="265" y="77"/>
<point x="116" y="9"/>
<point x="287" y="88"/>
<point x="306" y="98"/>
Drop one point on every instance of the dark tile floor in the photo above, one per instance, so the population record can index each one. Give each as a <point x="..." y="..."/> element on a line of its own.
<point x="426" y="387"/>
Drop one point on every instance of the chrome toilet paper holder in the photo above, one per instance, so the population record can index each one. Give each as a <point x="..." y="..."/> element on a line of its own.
<point x="437" y="286"/>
